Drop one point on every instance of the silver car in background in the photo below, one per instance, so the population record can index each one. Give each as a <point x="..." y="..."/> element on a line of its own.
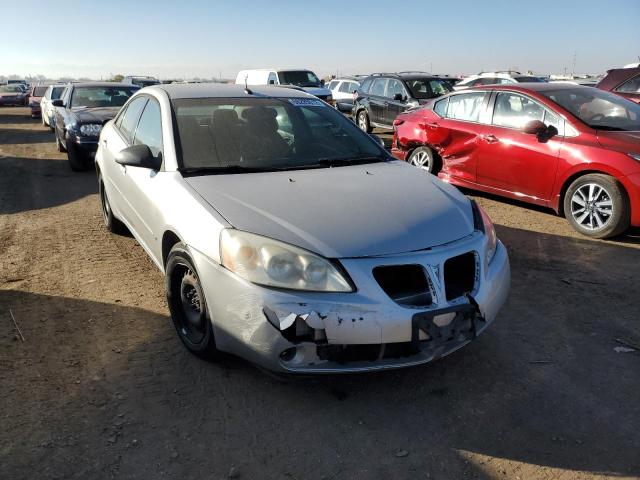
<point x="290" y="238"/>
<point x="53" y="92"/>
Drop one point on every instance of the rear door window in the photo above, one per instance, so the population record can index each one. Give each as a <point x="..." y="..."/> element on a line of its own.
<point x="378" y="87"/>
<point x="465" y="106"/>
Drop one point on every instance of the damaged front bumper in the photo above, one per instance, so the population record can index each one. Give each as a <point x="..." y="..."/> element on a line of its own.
<point x="310" y="332"/>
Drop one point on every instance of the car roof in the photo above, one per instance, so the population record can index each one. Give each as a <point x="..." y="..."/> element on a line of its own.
<point x="100" y="84"/>
<point x="225" y="90"/>
<point x="405" y="75"/>
<point x="528" y="87"/>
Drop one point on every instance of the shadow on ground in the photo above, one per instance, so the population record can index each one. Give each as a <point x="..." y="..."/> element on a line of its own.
<point x="24" y="185"/>
<point x="106" y="390"/>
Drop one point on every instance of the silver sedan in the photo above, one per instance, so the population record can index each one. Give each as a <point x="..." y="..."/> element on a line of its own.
<point x="290" y="238"/>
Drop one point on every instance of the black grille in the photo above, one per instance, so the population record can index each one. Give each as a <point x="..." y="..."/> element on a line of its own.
<point x="406" y="284"/>
<point x="460" y="275"/>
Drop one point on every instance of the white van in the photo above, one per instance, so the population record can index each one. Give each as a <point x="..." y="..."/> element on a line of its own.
<point x="303" y="79"/>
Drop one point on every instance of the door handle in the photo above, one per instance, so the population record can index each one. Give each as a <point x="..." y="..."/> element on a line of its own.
<point x="490" y="138"/>
<point x="431" y="126"/>
<point x="104" y="143"/>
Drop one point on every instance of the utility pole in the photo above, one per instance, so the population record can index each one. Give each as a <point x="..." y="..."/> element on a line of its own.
<point x="573" y="72"/>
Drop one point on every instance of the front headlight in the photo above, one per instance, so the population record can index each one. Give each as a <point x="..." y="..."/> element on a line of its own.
<point x="265" y="261"/>
<point x="483" y="223"/>
<point x="91" y="129"/>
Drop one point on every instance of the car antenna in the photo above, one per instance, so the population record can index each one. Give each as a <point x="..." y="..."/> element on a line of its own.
<point x="246" y="87"/>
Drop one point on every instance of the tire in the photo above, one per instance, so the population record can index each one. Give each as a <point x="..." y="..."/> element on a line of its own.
<point x="77" y="161"/>
<point x="59" y="144"/>
<point x="188" y="305"/>
<point x="362" y="120"/>
<point x="424" y="158"/>
<point x="597" y="206"/>
<point x="110" y="220"/>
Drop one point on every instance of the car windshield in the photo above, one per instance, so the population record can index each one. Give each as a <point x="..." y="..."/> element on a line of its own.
<point x="39" y="91"/>
<point x="94" y="97"/>
<point x="10" y="89"/>
<point x="598" y="109"/>
<point x="530" y="79"/>
<point x="424" y="88"/>
<point x="302" y="78"/>
<point x="252" y="134"/>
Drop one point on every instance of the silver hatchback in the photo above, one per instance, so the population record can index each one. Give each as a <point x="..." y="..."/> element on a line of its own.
<point x="291" y="238"/>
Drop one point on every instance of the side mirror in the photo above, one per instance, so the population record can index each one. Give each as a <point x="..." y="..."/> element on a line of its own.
<point x="534" y="127"/>
<point x="57" y="103"/>
<point x="272" y="82"/>
<point x="377" y="139"/>
<point x="398" y="97"/>
<point x="138" y="156"/>
<point x="322" y="82"/>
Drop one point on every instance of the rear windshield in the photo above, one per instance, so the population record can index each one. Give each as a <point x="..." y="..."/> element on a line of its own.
<point x="423" y="88"/>
<point x="144" y="82"/>
<point x="302" y="78"/>
<point x="267" y="133"/>
<point x="530" y="79"/>
<point x="93" y="97"/>
<point x="39" y="91"/>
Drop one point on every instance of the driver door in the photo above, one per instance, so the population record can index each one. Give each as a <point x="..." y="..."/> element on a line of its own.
<point x="513" y="161"/>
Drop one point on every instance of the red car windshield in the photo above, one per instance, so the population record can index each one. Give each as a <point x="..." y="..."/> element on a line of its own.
<point x="598" y="109"/>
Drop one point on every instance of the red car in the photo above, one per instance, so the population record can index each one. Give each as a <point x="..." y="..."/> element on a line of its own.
<point x="35" y="97"/>
<point x="571" y="148"/>
<point x="623" y="81"/>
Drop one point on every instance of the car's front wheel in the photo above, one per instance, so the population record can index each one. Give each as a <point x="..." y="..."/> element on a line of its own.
<point x="111" y="222"/>
<point x="596" y="205"/>
<point x="423" y="157"/>
<point x="187" y="304"/>
<point x="363" y="121"/>
<point x="77" y="161"/>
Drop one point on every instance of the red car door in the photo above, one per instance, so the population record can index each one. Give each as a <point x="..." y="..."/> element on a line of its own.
<point x="511" y="161"/>
<point x="457" y="134"/>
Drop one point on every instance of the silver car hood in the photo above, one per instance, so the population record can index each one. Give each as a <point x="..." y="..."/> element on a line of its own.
<point x="354" y="211"/>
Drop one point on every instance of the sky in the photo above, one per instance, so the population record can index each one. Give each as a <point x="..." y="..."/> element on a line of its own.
<point x="191" y="38"/>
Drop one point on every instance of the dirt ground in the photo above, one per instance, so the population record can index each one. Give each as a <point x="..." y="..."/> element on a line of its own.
<point x="102" y="388"/>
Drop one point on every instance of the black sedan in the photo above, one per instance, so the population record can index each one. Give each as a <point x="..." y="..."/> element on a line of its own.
<point x="81" y="112"/>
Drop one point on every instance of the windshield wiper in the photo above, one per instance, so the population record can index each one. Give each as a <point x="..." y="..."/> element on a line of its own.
<point x="344" y="161"/>
<point x="229" y="169"/>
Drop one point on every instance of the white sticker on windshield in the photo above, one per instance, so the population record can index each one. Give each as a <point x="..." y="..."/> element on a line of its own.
<point x="306" y="102"/>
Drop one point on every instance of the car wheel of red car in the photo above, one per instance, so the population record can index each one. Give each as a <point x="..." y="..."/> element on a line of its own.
<point x="596" y="205"/>
<point x="422" y="157"/>
<point x="363" y="121"/>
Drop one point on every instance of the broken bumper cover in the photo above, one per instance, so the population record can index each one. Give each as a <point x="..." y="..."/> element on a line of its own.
<point x="360" y="331"/>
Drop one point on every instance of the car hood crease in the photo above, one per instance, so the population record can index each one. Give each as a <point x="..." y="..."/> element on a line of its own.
<point x="352" y="211"/>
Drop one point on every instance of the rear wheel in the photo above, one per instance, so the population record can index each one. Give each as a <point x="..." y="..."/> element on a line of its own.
<point x="596" y="205"/>
<point x="111" y="222"/>
<point x="77" y="161"/>
<point x="363" y="121"/>
<point x="423" y="157"/>
<point x="187" y="304"/>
